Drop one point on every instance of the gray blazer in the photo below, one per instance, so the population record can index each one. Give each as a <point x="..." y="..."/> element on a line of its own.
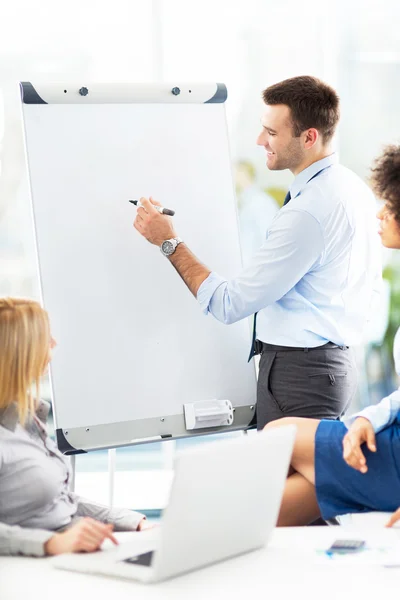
<point x="35" y="500"/>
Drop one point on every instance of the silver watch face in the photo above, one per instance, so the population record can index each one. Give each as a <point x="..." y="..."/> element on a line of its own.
<point x="167" y="247"/>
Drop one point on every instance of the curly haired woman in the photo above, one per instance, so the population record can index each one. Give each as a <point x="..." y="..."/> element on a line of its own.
<point x="352" y="466"/>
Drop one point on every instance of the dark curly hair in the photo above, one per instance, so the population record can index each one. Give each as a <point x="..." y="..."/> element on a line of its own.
<point x="385" y="179"/>
<point x="312" y="103"/>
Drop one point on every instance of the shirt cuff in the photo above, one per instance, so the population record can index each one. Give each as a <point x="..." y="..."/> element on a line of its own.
<point x="376" y="423"/>
<point x="207" y="289"/>
<point x="30" y="542"/>
<point x="348" y="421"/>
<point x="127" y="520"/>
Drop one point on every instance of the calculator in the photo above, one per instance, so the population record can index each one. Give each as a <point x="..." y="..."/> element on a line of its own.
<point x="346" y="546"/>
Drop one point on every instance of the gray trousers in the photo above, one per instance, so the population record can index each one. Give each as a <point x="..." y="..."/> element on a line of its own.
<point x="304" y="382"/>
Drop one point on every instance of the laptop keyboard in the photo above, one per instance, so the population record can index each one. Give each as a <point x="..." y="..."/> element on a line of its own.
<point x="140" y="559"/>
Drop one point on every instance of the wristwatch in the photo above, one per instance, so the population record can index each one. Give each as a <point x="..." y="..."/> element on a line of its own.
<point x="169" y="246"/>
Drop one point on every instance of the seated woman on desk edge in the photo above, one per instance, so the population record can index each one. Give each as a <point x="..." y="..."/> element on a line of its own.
<point x="352" y="466"/>
<point x="39" y="514"/>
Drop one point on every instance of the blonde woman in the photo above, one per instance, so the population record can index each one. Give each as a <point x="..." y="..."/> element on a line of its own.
<point x="39" y="514"/>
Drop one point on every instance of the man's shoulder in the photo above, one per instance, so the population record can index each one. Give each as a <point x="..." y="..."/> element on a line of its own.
<point x="336" y="187"/>
<point x="339" y="177"/>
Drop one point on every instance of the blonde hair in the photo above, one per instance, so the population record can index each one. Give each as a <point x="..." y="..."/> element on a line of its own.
<point x="24" y="350"/>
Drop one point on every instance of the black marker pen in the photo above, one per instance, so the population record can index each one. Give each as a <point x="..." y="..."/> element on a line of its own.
<point x="160" y="209"/>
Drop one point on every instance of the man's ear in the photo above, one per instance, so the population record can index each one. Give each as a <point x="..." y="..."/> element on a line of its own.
<point x="311" y="137"/>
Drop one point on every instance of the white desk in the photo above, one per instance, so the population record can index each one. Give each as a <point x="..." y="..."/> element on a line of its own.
<point x="286" y="569"/>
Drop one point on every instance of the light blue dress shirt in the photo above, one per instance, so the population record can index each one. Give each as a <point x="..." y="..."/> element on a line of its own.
<point x="385" y="413"/>
<point x="315" y="277"/>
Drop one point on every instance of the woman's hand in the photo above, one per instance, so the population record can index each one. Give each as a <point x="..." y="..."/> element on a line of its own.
<point x="144" y="524"/>
<point x="86" y="536"/>
<point x="394" y="518"/>
<point x="360" y="432"/>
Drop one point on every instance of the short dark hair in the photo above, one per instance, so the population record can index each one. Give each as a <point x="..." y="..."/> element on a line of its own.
<point x="312" y="103"/>
<point x="386" y="179"/>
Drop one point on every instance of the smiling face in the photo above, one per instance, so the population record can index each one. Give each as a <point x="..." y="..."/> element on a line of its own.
<point x="389" y="228"/>
<point x="284" y="151"/>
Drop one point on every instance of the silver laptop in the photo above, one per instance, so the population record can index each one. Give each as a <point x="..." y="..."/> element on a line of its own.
<point x="224" y="501"/>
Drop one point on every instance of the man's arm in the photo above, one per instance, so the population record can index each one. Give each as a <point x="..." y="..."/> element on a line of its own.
<point x="157" y="228"/>
<point x="192" y="271"/>
<point x="294" y="246"/>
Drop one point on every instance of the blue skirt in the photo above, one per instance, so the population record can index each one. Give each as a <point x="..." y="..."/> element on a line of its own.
<point x="340" y="488"/>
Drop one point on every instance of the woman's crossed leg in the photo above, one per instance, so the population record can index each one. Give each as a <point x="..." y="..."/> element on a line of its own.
<point x="299" y="503"/>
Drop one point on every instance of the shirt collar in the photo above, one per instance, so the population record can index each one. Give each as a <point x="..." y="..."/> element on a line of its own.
<point x="304" y="176"/>
<point x="9" y="415"/>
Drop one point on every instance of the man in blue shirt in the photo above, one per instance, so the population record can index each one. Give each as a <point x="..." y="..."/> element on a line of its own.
<point x="313" y="280"/>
